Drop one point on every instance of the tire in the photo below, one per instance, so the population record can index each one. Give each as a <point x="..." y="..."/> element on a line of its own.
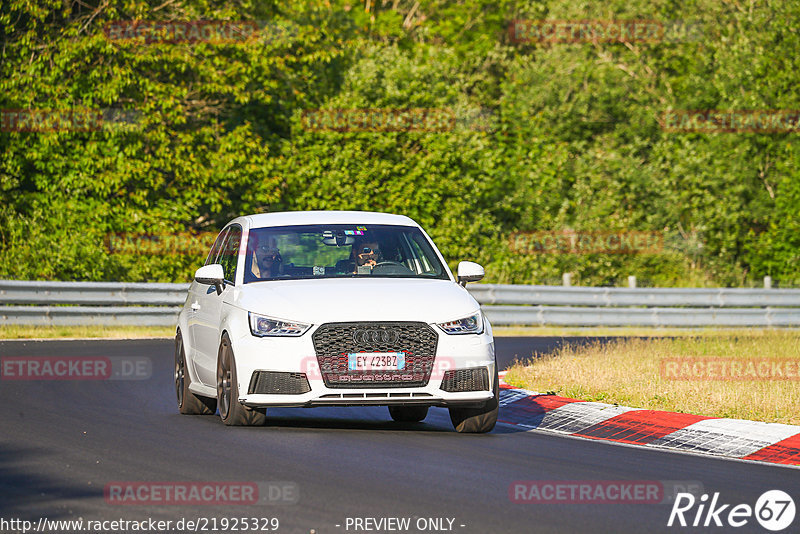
<point x="188" y="402"/>
<point x="408" y="414"/>
<point x="230" y="411"/>
<point x="478" y="420"/>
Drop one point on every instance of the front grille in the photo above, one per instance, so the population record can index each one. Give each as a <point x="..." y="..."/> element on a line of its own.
<point x="334" y="341"/>
<point x="466" y="380"/>
<point x="277" y="383"/>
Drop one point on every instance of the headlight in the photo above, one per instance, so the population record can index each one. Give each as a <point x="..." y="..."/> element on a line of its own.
<point x="468" y="325"/>
<point x="262" y="326"/>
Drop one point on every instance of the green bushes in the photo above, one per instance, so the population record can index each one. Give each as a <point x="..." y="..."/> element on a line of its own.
<point x="545" y="136"/>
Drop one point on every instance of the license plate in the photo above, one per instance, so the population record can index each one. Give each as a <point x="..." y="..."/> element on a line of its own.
<point x="376" y="361"/>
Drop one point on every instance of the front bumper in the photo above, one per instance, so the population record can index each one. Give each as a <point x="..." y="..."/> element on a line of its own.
<point x="297" y="355"/>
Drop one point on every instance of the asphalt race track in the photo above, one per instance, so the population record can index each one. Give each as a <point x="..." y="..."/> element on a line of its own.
<point x="62" y="442"/>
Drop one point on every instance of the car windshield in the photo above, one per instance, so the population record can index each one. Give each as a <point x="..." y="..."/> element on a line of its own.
<point x="339" y="250"/>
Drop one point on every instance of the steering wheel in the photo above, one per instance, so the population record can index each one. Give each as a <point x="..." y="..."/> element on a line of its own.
<point x="392" y="267"/>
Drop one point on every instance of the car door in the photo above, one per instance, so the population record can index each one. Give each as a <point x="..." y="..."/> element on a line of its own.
<point x="209" y="309"/>
<point x="197" y="293"/>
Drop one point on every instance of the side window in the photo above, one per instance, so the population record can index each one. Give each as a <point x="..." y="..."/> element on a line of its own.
<point x="212" y="256"/>
<point x="230" y="253"/>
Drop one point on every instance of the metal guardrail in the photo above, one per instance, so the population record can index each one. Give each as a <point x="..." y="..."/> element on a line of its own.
<point x="622" y="296"/>
<point x="90" y="315"/>
<point x="92" y="293"/>
<point x="110" y="303"/>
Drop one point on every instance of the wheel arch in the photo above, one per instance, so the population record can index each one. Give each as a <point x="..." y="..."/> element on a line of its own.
<point x="187" y="354"/>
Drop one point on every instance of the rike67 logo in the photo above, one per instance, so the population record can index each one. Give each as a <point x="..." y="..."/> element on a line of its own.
<point x="774" y="510"/>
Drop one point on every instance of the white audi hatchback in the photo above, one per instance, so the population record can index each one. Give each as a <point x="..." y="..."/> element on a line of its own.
<point x="333" y="308"/>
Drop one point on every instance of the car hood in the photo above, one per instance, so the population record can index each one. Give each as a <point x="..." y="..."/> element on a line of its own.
<point x="353" y="299"/>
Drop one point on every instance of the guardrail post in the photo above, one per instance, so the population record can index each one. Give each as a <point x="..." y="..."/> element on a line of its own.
<point x="566" y="279"/>
<point x="631" y="281"/>
<point x="767" y="282"/>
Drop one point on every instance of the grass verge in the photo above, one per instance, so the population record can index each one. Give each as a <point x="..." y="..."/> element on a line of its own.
<point x="638" y="331"/>
<point x="632" y="372"/>
<point x="108" y="332"/>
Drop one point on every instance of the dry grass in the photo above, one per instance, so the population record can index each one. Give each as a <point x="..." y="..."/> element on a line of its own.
<point x="628" y="372"/>
<point x="107" y="332"/>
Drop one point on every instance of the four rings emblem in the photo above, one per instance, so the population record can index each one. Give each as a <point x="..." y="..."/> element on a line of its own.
<point x="364" y="336"/>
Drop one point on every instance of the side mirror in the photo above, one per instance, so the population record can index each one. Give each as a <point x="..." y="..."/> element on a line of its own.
<point x="211" y="275"/>
<point x="469" y="271"/>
